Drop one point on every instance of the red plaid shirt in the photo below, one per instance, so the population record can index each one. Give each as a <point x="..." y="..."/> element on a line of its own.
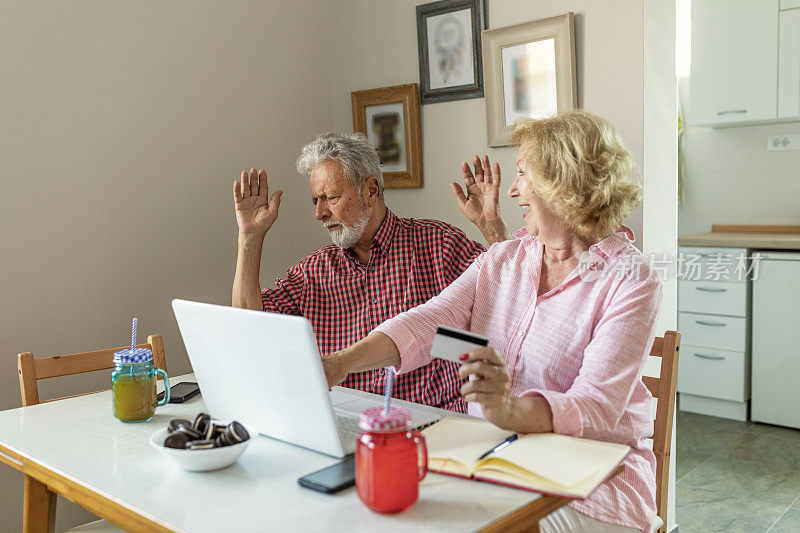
<point x="410" y="262"/>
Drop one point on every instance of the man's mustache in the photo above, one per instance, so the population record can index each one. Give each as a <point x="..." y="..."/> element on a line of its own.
<point x="330" y="223"/>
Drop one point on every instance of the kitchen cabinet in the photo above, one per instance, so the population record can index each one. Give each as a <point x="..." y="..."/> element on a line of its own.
<point x="789" y="64"/>
<point x="713" y="313"/>
<point x="740" y="340"/>
<point x="734" y="74"/>
<point x="776" y="343"/>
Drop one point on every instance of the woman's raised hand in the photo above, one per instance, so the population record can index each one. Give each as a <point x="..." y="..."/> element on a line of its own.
<point x="481" y="203"/>
<point x="255" y="214"/>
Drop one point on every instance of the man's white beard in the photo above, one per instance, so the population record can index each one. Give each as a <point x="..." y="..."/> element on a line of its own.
<point x="347" y="236"/>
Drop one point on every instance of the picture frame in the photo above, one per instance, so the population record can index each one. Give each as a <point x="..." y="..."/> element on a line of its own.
<point x="450" y="52"/>
<point x="529" y="70"/>
<point x="389" y="117"/>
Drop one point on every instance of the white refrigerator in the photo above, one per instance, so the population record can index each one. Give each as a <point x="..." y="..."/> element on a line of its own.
<point x="775" y="395"/>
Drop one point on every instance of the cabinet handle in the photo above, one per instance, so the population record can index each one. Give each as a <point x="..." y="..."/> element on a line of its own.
<point x="711" y="289"/>
<point x="732" y="111"/>
<point x="712" y="357"/>
<point x="716" y="254"/>
<point x="715" y="324"/>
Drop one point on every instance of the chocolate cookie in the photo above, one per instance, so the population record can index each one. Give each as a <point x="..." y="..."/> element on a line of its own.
<point x="238" y="432"/>
<point x="190" y="432"/>
<point x="200" y="445"/>
<point x="201" y="423"/>
<point x="177" y="423"/>
<point x="209" y="432"/>
<point x="177" y="441"/>
<point x="234" y="434"/>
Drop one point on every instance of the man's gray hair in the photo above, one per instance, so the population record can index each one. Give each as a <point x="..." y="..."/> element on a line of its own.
<point x="352" y="150"/>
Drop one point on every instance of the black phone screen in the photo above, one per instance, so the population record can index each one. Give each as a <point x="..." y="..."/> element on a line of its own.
<point x="333" y="478"/>
<point x="182" y="391"/>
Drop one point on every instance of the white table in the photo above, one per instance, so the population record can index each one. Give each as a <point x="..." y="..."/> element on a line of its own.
<point x="76" y="448"/>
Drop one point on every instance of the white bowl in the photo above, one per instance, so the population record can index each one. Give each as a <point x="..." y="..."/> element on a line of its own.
<point x="202" y="460"/>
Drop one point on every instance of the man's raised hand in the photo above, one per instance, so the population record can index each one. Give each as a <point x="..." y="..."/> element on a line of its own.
<point x="255" y="210"/>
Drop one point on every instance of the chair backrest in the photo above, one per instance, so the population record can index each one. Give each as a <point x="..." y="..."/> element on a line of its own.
<point x="663" y="389"/>
<point x="31" y="370"/>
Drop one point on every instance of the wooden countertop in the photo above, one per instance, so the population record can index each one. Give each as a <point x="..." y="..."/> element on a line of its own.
<point x="776" y="241"/>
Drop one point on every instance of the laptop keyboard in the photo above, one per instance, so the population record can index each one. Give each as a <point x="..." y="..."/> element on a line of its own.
<point x="348" y="408"/>
<point x="349" y="430"/>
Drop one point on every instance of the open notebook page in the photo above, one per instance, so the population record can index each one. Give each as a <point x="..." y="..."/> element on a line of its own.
<point x="461" y="440"/>
<point x="562" y="459"/>
<point x="565" y="461"/>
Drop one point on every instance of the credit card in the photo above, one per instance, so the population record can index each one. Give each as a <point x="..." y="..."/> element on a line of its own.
<point x="451" y="343"/>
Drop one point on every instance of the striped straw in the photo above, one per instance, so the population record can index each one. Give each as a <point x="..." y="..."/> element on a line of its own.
<point x="388" y="390"/>
<point x="133" y="333"/>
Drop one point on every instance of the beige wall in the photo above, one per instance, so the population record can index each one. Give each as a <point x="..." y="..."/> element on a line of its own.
<point x="726" y="168"/>
<point x="124" y="125"/>
<point x="609" y="41"/>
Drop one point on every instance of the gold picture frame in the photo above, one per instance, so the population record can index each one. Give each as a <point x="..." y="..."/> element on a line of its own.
<point x="529" y="71"/>
<point x="389" y="117"/>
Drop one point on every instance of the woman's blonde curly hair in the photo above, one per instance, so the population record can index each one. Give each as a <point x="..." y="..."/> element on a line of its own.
<point x="579" y="167"/>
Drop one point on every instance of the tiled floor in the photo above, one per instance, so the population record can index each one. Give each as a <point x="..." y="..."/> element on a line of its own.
<point x="736" y="476"/>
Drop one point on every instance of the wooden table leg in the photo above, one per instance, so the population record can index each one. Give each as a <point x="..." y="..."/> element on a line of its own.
<point x="38" y="508"/>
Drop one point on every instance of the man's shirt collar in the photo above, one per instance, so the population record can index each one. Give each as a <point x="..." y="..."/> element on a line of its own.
<point x="383" y="239"/>
<point x="381" y="242"/>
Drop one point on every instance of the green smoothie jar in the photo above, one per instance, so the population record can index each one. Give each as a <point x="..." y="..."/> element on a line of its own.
<point x="133" y="385"/>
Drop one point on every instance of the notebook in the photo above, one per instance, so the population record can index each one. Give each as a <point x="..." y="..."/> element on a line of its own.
<point x="540" y="462"/>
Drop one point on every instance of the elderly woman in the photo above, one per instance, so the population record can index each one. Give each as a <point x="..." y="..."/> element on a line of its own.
<point x="568" y="307"/>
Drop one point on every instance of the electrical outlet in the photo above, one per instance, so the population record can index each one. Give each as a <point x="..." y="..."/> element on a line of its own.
<point x="783" y="142"/>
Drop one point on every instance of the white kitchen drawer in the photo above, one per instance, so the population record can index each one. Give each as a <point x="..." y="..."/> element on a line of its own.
<point x="723" y="332"/>
<point x="713" y="373"/>
<point x="699" y="263"/>
<point x="718" y="298"/>
<point x="789" y="4"/>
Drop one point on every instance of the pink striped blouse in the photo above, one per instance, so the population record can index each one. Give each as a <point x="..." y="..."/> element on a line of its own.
<point x="581" y="346"/>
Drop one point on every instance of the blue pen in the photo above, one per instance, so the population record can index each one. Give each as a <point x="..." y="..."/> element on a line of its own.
<point x="509" y="440"/>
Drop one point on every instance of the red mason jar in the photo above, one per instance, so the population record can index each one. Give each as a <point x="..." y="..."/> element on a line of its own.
<point x="391" y="460"/>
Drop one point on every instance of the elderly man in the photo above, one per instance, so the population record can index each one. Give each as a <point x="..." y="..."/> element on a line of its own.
<point x="378" y="265"/>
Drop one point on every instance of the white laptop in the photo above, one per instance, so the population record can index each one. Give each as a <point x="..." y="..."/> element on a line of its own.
<point x="264" y="369"/>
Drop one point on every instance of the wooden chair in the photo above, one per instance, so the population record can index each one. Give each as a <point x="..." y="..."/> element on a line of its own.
<point x="32" y="370"/>
<point x="35" y="515"/>
<point x="663" y="389"/>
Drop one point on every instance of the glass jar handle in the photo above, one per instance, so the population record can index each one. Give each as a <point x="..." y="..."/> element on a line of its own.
<point x="165" y="399"/>
<point x="422" y="453"/>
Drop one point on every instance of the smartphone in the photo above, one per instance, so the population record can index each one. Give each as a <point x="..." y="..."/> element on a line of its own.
<point x="333" y="478"/>
<point x="180" y="392"/>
